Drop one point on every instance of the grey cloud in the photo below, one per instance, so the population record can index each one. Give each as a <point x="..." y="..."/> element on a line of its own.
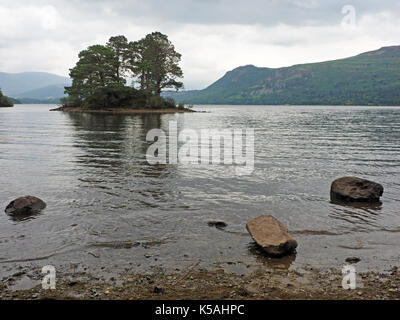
<point x="212" y="35"/>
<point x="264" y="12"/>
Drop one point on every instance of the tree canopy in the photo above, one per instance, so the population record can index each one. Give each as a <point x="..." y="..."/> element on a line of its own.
<point x="155" y="63"/>
<point x="102" y="71"/>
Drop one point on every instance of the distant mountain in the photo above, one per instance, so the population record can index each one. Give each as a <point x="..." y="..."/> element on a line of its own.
<point x="38" y="101"/>
<point x="371" y="78"/>
<point x="33" y="85"/>
<point x="45" y="93"/>
<point x="15" y="101"/>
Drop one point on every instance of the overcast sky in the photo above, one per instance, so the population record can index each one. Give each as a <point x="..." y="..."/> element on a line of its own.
<point x="213" y="36"/>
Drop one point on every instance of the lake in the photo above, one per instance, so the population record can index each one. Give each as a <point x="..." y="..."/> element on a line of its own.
<point x="92" y="172"/>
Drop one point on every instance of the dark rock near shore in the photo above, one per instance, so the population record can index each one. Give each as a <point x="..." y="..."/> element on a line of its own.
<point x="353" y="260"/>
<point x="25" y="206"/>
<point x="353" y="189"/>
<point x="271" y="235"/>
<point x="217" y="224"/>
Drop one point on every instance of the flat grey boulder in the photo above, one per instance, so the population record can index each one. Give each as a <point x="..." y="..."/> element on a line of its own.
<point x="271" y="235"/>
<point x="25" y="206"/>
<point x="353" y="189"/>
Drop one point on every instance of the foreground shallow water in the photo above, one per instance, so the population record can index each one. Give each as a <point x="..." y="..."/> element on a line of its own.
<point x="92" y="171"/>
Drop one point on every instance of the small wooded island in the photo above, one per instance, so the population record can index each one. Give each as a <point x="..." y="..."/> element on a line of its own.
<point x="99" y="79"/>
<point x="5" y="102"/>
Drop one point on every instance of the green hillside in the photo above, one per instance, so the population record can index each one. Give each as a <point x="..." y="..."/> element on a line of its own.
<point x="371" y="78"/>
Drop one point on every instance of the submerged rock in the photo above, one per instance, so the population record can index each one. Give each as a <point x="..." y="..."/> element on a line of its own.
<point x="271" y="235"/>
<point x="25" y="206"/>
<point x="353" y="189"/>
<point x="116" y="244"/>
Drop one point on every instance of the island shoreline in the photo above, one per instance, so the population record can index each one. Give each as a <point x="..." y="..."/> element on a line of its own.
<point x="123" y="110"/>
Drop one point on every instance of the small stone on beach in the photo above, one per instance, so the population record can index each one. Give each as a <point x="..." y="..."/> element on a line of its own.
<point x="158" y="289"/>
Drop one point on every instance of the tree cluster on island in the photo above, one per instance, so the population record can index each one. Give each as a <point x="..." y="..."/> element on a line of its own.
<point x="99" y="79"/>
<point x="5" y="102"/>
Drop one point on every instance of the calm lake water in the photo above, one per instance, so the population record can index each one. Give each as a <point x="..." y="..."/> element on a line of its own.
<point x="92" y="172"/>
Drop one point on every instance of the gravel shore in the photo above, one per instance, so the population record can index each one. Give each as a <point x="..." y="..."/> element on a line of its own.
<point x="196" y="283"/>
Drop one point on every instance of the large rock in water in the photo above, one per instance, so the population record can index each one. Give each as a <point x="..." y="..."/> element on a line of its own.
<point x="271" y="235"/>
<point x="353" y="189"/>
<point x="25" y="206"/>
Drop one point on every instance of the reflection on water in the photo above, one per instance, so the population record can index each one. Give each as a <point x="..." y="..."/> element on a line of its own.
<point x="22" y="217"/>
<point x="367" y="206"/>
<point x="92" y="172"/>
<point x="283" y="263"/>
<point x="113" y="149"/>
